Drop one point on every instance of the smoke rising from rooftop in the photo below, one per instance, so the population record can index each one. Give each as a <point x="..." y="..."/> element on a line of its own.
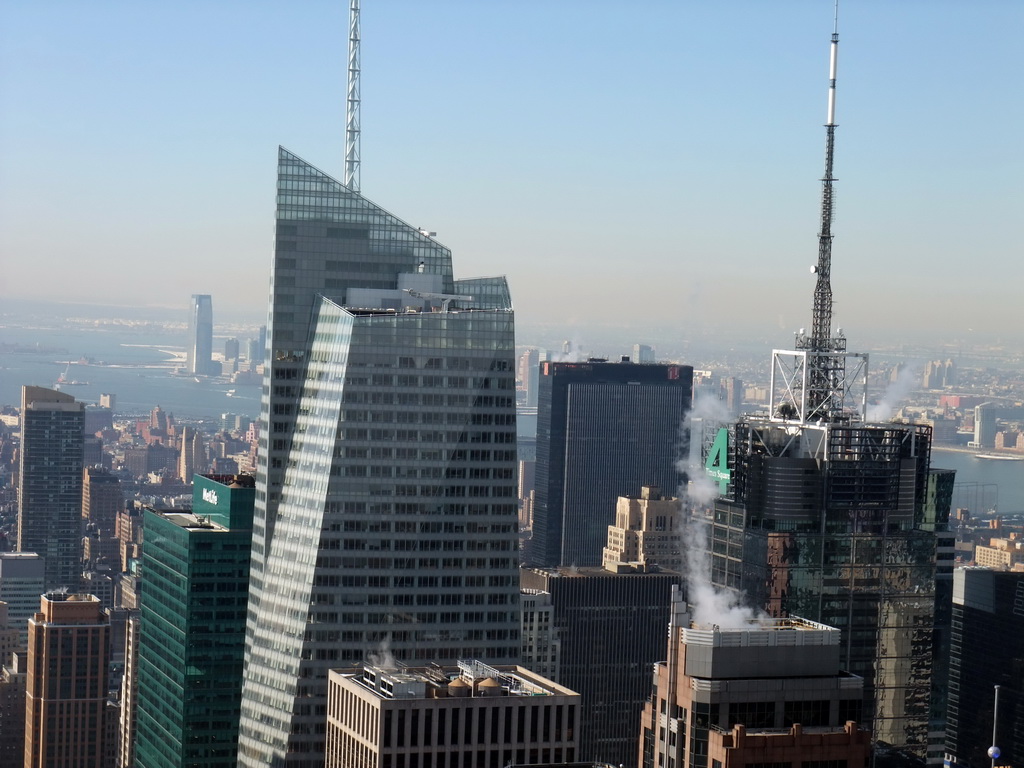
<point x="709" y="604"/>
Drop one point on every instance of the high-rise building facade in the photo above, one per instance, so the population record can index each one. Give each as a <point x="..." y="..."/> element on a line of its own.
<point x="192" y="454"/>
<point x="102" y="499"/>
<point x="12" y="711"/>
<point x="829" y="521"/>
<point x="769" y="693"/>
<point x="22" y="582"/>
<point x="200" y="336"/>
<point x="987" y="650"/>
<point x="386" y="492"/>
<point x="192" y="638"/>
<point x="648" y="529"/>
<point x="610" y="629"/>
<point x="476" y="715"/>
<point x="66" y="688"/>
<point x="604" y="430"/>
<point x="50" y="483"/>
<point x="542" y="650"/>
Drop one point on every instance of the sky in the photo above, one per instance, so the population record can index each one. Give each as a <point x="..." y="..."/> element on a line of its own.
<point x="652" y="166"/>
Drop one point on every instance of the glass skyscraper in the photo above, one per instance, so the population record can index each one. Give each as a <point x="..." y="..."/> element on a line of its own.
<point x="200" y="336"/>
<point x="988" y="625"/>
<point x="193" y="608"/>
<point x="835" y="523"/>
<point x="385" y="518"/>
<point x="604" y="430"/>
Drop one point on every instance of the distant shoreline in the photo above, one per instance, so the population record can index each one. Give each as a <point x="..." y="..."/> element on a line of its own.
<point x="975" y="451"/>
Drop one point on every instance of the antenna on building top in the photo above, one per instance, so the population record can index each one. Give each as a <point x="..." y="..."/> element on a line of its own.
<point x="813" y="381"/>
<point x="822" y="375"/>
<point x="352" y="104"/>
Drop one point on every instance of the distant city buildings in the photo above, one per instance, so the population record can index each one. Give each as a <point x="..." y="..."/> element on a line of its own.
<point x="642" y="354"/>
<point x="527" y="371"/>
<point x="231" y="349"/>
<point x="50" y="483"/>
<point x="984" y="426"/>
<point x="1001" y="554"/>
<point x="940" y="374"/>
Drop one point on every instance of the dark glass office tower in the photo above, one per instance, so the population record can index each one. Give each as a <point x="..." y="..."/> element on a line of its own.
<point x="987" y="650"/>
<point x="200" y="336"/>
<point x="833" y="522"/>
<point x="50" y="484"/>
<point x="385" y="517"/>
<point x="604" y="430"/>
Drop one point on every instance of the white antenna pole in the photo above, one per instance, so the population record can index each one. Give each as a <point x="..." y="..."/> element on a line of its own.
<point x="352" y="105"/>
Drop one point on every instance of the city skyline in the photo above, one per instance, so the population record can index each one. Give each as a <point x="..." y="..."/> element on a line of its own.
<point x="696" y="116"/>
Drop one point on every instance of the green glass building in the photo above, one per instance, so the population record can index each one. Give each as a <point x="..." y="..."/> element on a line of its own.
<point x="194" y="591"/>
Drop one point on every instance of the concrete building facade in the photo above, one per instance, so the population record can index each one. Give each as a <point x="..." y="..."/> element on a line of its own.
<point x="770" y="692"/>
<point x="66" y="684"/>
<point x="475" y="716"/>
<point x="647" y="530"/>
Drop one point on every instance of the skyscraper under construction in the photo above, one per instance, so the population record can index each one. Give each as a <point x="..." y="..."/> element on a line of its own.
<point x="825" y="515"/>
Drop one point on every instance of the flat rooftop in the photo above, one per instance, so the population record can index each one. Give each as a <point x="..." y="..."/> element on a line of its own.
<point x="470" y="679"/>
<point x="762" y="632"/>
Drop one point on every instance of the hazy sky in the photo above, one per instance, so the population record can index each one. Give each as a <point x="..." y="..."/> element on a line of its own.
<point x="633" y="164"/>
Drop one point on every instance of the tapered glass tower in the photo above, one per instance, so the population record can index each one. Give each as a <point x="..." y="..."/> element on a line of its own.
<point x="200" y="335"/>
<point x="386" y="493"/>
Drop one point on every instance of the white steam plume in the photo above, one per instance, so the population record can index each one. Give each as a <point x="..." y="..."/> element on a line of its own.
<point x="710" y="605"/>
<point x="572" y="352"/>
<point x="383" y="657"/>
<point x="895" y="393"/>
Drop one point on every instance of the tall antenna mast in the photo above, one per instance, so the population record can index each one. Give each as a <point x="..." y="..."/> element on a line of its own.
<point x="814" y="384"/>
<point x="352" y="105"/>
<point x="822" y="375"/>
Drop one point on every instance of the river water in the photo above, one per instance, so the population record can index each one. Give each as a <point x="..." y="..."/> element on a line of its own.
<point x="138" y="366"/>
<point x="983" y="484"/>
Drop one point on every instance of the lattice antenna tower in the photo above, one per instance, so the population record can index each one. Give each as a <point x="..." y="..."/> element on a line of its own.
<point x="819" y="384"/>
<point x="352" y="104"/>
<point x="821" y="328"/>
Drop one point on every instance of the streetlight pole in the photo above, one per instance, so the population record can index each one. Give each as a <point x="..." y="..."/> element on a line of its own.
<point x="993" y="751"/>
